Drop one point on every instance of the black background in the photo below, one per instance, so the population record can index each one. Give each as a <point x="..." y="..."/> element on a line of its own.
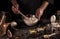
<point x="5" y="5"/>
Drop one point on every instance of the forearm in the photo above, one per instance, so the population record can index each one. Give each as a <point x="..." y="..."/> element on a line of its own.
<point x="14" y="3"/>
<point x="40" y="10"/>
<point x="44" y="5"/>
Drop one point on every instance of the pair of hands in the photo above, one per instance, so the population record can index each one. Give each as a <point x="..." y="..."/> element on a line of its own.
<point x="39" y="12"/>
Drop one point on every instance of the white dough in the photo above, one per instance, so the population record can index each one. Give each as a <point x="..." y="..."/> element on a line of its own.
<point x="13" y="23"/>
<point x="31" y="20"/>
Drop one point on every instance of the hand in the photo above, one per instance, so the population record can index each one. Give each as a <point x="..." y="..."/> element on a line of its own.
<point x="3" y="29"/>
<point x="39" y="13"/>
<point x="9" y="34"/>
<point x="15" y="9"/>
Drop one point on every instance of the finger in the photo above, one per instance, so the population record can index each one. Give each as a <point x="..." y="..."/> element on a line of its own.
<point x="16" y="6"/>
<point x="9" y="34"/>
<point x="15" y="10"/>
<point x="37" y="14"/>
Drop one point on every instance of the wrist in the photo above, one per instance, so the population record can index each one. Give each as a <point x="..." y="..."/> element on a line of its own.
<point x="16" y="6"/>
<point x="41" y="9"/>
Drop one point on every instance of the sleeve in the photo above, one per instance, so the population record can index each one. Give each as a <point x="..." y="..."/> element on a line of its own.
<point x="50" y="1"/>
